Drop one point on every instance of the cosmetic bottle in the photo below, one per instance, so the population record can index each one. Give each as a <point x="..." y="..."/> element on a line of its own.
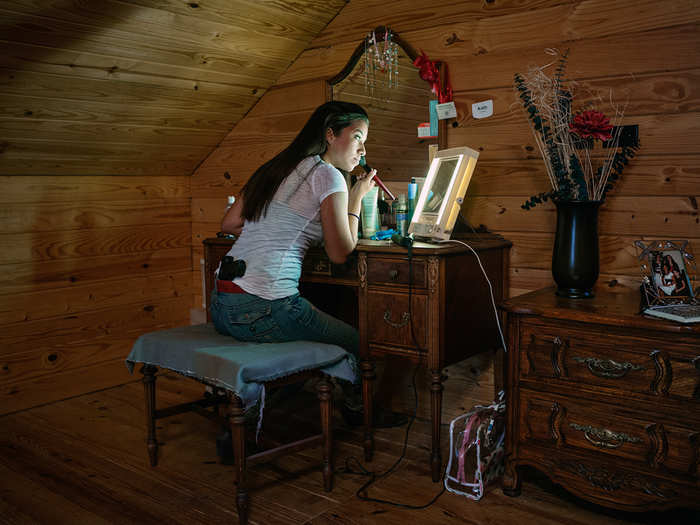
<point x="402" y="215"/>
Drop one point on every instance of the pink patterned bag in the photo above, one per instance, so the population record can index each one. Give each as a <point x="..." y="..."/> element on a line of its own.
<point x="476" y="453"/>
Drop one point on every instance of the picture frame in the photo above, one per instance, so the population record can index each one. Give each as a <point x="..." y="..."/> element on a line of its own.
<point x="669" y="271"/>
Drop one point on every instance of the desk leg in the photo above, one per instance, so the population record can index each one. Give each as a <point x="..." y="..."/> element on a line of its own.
<point x="436" y="415"/>
<point x="368" y="376"/>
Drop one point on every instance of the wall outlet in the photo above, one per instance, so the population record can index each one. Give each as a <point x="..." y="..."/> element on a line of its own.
<point x="629" y="136"/>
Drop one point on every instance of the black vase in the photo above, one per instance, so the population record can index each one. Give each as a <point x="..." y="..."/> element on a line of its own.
<point x="575" y="259"/>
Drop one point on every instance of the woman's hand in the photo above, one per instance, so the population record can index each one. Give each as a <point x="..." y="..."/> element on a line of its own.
<point x="364" y="184"/>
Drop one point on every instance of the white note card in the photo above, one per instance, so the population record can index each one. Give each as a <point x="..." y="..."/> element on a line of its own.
<point x="446" y="110"/>
<point x="482" y="109"/>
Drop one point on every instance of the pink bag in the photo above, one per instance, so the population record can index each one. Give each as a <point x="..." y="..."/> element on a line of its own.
<point x="476" y="453"/>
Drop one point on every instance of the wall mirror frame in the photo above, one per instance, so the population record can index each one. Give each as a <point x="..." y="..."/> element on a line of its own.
<point x="391" y="159"/>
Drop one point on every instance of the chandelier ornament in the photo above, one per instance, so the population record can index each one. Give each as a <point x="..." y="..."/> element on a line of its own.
<point x="381" y="69"/>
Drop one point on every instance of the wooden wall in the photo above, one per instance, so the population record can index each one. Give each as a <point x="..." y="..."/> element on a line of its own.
<point x="648" y="51"/>
<point x="106" y="109"/>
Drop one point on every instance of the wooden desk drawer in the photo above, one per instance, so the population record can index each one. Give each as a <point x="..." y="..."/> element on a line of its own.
<point x="619" y="363"/>
<point x="388" y="319"/>
<point x="395" y="271"/>
<point x="601" y="429"/>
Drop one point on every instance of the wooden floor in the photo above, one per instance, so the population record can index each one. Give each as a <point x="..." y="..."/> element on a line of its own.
<point x="84" y="461"/>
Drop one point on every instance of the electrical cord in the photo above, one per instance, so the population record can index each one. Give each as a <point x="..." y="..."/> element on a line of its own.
<point x="361" y="492"/>
<point x="488" y="281"/>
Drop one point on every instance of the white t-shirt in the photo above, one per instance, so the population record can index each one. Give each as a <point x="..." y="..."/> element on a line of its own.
<point x="273" y="247"/>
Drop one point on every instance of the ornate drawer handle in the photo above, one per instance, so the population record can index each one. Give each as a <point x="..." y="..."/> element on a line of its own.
<point x="404" y="319"/>
<point x="393" y="274"/>
<point x="604" y="438"/>
<point x="607" y="367"/>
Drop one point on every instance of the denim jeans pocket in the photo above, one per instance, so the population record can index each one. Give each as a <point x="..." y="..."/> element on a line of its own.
<point x="257" y="321"/>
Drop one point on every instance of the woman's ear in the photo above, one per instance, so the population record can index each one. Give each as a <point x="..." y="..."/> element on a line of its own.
<point x="330" y="136"/>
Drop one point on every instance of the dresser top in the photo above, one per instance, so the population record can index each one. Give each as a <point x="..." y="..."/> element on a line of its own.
<point x="611" y="308"/>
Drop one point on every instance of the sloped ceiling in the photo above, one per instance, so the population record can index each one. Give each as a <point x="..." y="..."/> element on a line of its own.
<point x="138" y="87"/>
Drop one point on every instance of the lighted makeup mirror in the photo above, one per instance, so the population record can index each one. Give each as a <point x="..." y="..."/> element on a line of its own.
<point x="441" y="196"/>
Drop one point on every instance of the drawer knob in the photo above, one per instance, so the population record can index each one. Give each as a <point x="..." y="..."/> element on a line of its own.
<point x="607" y="368"/>
<point x="405" y="318"/>
<point x="393" y="274"/>
<point x="604" y="438"/>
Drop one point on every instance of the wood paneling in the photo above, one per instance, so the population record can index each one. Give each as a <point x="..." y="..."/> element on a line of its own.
<point x="106" y="110"/>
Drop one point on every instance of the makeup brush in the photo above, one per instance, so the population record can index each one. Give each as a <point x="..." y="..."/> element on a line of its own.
<point x="379" y="182"/>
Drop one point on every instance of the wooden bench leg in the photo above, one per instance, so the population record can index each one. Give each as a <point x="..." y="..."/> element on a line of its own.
<point x="237" y="420"/>
<point x="325" y="397"/>
<point x="149" y="387"/>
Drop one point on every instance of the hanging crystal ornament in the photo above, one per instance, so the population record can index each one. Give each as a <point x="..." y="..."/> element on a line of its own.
<point x="381" y="65"/>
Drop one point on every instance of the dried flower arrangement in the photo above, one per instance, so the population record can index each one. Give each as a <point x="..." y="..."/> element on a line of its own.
<point x="577" y="169"/>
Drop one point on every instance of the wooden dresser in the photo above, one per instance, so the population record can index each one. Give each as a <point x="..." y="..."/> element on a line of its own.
<point x="604" y="401"/>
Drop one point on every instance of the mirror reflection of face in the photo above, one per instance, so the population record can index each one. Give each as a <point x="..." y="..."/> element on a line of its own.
<point x="345" y="149"/>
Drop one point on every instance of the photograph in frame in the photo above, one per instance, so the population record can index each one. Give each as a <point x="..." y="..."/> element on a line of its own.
<point x="668" y="272"/>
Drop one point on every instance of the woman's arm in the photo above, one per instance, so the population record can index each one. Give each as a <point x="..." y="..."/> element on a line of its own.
<point x="233" y="220"/>
<point x="339" y="227"/>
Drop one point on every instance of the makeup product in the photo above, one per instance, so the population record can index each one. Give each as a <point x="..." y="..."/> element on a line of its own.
<point x="379" y="182"/>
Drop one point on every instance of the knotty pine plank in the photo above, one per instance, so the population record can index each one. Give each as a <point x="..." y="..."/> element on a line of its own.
<point x="524" y="280"/>
<point x="639" y="94"/>
<point x="65" y="335"/>
<point x="49" y="246"/>
<point x="72" y="81"/>
<point x="163" y="51"/>
<point x="62" y="385"/>
<point x="676" y="217"/>
<point x="285" y="99"/>
<point x="617" y="252"/>
<point x="61" y="216"/>
<point x="299" y="22"/>
<point x="103" y="113"/>
<point x="107" y="293"/>
<point x="221" y="181"/>
<point x="47" y="189"/>
<point x="31" y="166"/>
<point x="352" y="23"/>
<point x="119" y="28"/>
<point x="36" y="276"/>
<point x="203" y="230"/>
<point x="111" y="151"/>
<point x="644" y="175"/>
<point x="588" y="19"/>
<point x="658" y="135"/>
<point x="82" y="132"/>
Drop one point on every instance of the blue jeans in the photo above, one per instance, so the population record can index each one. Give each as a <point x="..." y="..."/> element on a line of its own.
<point x="250" y="318"/>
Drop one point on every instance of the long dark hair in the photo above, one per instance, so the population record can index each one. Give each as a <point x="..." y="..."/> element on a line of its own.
<point x="311" y="140"/>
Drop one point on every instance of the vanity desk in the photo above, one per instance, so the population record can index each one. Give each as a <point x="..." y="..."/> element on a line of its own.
<point x="450" y="311"/>
<point x="604" y="401"/>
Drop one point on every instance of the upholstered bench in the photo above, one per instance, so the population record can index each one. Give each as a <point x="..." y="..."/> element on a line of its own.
<point x="242" y="371"/>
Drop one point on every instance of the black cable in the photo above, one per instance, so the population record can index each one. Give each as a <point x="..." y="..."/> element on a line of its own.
<point x="361" y="492"/>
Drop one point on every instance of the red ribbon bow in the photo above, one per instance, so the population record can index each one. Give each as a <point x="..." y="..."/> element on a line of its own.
<point x="428" y="71"/>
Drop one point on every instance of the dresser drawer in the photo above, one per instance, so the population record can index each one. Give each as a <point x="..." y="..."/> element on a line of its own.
<point x="620" y="363"/>
<point x="388" y="318"/>
<point x="601" y="430"/>
<point x="395" y="271"/>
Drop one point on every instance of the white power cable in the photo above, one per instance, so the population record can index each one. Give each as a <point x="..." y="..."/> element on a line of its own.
<point x="493" y="301"/>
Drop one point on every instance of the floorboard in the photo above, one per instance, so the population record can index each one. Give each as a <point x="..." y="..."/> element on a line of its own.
<point x="84" y="460"/>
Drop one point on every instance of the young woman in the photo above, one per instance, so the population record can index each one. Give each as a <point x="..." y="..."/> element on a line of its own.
<point x="298" y="198"/>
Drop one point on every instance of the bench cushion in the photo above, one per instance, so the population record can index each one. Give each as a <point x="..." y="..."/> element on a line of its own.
<point x="200" y="352"/>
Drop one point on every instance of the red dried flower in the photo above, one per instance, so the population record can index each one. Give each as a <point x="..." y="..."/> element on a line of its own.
<point x="591" y="124"/>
